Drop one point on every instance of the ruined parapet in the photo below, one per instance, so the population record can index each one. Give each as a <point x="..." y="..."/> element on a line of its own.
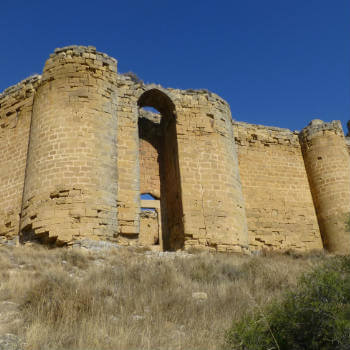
<point x="328" y="167"/>
<point x="15" y="114"/>
<point x="20" y="90"/>
<point x="71" y="177"/>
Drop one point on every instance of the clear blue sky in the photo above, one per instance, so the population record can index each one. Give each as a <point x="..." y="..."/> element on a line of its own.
<point x="277" y="62"/>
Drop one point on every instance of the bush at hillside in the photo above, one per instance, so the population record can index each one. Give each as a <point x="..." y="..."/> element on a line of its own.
<point x="314" y="316"/>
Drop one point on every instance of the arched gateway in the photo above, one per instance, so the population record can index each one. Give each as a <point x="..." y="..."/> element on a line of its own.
<point x="159" y="165"/>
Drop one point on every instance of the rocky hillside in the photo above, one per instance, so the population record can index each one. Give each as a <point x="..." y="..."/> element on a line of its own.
<point x="105" y="297"/>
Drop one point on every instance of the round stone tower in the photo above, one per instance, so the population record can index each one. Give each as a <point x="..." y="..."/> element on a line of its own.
<point x="70" y="187"/>
<point x="213" y="204"/>
<point x="328" y="168"/>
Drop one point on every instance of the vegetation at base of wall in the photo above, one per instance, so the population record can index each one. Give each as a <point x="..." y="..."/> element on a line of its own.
<point x="316" y="315"/>
<point x="132" y="299"/>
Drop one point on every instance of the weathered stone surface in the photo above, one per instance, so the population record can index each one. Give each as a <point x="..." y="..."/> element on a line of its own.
<point x="78" y="150"/>
<point x="279" y="206"/>
<point x="149" y="228"/>
<point x="16" y="104"/>
<point x="328" y="167"/>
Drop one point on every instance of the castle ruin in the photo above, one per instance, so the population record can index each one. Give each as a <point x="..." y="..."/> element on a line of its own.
<point x="78" y="150"/>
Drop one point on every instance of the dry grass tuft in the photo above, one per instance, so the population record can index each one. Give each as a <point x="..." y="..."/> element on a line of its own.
<point x="123" y="299"/>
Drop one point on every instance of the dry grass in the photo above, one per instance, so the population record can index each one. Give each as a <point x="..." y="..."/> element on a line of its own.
<point x="120" y="299"/>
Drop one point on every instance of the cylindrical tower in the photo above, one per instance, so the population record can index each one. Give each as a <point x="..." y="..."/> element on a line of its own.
<point x="328" y="168"/>
<point x="213" y="204"/>
<point x="71" y="177"/>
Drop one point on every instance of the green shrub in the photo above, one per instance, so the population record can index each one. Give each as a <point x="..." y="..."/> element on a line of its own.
<point x="314" y="316"/>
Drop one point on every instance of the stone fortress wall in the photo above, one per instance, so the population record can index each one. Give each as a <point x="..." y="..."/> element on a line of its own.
<point x="79" y="148"/>
<point x="279" y="205"/>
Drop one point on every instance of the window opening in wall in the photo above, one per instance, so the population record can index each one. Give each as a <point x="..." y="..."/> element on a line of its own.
<point x="159" y="167"/>
<point x="150" y="109"/>
<point x="147" y="197"/>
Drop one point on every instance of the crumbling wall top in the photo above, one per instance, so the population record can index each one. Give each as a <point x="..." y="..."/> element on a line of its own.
<point x="265" y="127"/>
<point x="317" y="126"/>
<point x="72" y="52"/>
<point x="131" y="78"/>
<point x="267" y="135"/>
<point x="29" y="83"/>
<point x="15" y="98"/>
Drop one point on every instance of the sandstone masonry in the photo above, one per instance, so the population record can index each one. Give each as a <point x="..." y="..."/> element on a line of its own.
<point x="79" y="150"/>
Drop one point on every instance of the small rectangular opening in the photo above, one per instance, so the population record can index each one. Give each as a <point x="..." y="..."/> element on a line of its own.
<point x="148" y="209"/>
